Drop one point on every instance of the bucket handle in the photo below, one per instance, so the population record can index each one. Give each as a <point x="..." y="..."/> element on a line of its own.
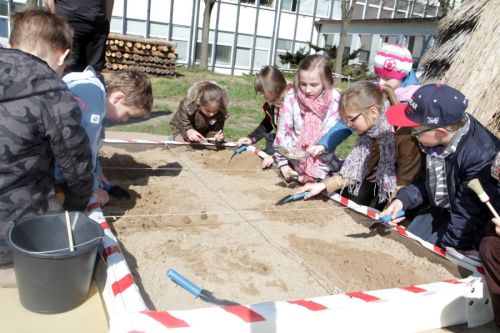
<point x="52" y="251"/>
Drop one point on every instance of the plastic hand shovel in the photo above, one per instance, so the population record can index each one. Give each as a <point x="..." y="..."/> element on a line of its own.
<point x="116" y="191"/>
<point x="291" y="197"/>
<point x="238" y="150"/>
<point x="203" y="294"/>
<point x="384" y="220"/>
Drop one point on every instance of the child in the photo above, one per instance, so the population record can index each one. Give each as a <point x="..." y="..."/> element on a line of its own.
<point x="490" y="254"/>
<point x="39" y="123"/>
<point x="271" y="84"/>
<point x="201" y="114"/>
<point x="393" y="66"/>
<point x="458" y="149"/>
<point x="127" y="94"/>
<point x="383" y="158"/>
<point x="308" y="112"/>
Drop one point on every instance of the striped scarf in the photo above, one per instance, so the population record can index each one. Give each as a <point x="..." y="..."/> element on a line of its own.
<point x="354" y="170"/>
<point x="436" y="183"/>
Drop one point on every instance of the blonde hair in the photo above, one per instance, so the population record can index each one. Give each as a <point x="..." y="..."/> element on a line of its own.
<point x="362" y="95"/>
<point x="316" y="62"/>
<point x="270" y="80"/>
<point x="39" y="32"/>
<point x="205" y="93"/>
<point x="136" y="87"/>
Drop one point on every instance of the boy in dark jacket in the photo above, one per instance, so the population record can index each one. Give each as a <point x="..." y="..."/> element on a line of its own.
<point x="458" y="149"/>
<point x="39" y="123"/>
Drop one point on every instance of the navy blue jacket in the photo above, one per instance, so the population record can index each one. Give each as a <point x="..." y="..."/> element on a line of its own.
<point x="468" y="215"/>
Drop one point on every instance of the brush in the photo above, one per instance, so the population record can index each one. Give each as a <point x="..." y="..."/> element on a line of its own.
<point x="476" y="186"/>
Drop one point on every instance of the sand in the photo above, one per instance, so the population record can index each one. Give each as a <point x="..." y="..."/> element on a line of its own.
<point x="215" y="221"/>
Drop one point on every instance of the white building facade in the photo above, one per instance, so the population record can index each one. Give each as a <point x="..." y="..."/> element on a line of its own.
<point x="249" y="34"/>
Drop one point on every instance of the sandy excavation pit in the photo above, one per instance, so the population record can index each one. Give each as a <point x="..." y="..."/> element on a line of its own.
<point x="217" y="224"/>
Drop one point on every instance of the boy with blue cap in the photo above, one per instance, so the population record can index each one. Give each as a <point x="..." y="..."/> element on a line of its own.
<point x="458" y="149"/>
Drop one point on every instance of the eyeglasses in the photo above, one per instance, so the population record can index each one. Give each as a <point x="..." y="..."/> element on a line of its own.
<point x="352" y="120"/>
<point x="416" y="134"/>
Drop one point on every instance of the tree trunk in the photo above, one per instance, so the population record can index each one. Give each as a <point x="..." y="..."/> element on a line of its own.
<point x="209" y="5"/>
<point x="347" y="11"/>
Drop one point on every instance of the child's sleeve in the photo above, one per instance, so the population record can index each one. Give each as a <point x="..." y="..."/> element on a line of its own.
<point x="265" y="126"/>
<point x="284" y="129"/>
<point x="335" y="136"/>
<point x="90" y="95"/>
<point x="408" y="157"/>
<point x="182" y="120"/>
<point x="71" y="147"/>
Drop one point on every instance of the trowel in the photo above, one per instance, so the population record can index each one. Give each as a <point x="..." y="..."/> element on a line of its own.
<point x="291" y="197"/>
<point x="203" y="294"/>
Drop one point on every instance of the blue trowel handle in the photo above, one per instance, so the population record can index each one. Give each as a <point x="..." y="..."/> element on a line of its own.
<point x="386" y="218"/>
<point x="184" y="283"/>
<point x="106" y="187"/>
<point x="240" y="149"/>
<point x="299" y="196"/>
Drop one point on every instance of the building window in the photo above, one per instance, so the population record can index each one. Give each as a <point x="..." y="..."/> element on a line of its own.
<point x="242" y="57"/>
<point x="198" y="52"/>
<point x="182" y="50"/>
<point x="261" y="57"/>
<point x="290" y="5"/>
<point x="223" y="54"/>
<point x="267" y="3"/>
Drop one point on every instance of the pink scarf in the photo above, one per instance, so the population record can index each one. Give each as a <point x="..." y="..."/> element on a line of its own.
<point x="313" y="111"/>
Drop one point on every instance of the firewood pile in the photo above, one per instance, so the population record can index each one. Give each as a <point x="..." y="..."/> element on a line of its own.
<point x="154" y="56"/>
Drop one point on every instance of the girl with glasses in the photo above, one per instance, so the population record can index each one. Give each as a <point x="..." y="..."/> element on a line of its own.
<point x="383" y="159"/>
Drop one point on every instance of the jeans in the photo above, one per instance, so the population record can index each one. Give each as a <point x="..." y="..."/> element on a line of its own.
<point x="430" y="224"/>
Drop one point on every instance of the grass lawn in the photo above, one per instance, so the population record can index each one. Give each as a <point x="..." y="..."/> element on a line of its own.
<point x="245" y="106"/>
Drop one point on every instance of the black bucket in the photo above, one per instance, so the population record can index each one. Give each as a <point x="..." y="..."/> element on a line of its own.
<point x="50" y="277"/>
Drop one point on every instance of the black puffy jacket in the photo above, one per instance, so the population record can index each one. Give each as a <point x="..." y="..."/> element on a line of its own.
<point x="39" y="123"/>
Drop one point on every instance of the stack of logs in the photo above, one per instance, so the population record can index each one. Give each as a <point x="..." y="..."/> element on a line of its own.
<point x="154" y="56"/>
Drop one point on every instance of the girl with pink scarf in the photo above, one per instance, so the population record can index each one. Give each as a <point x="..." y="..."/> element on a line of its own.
<point x="308" y="112"/>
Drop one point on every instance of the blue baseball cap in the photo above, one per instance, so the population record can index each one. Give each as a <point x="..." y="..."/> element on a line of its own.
<point x="431" y="105"/>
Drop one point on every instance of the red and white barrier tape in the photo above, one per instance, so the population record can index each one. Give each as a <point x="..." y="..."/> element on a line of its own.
<point x="438" y="304"/>
<point x="166" y="142"/>
<point x="454" y="256"/>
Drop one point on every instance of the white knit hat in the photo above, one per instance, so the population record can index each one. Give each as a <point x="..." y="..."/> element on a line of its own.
<point x="393" y="61"/>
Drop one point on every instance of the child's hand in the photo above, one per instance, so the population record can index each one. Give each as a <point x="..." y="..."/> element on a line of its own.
<point x="286" y="172"/>
<point x="313" y="189"/>
<point x="393" y="209"/>
<point x="244" y="141"/>
<point x="315" y="150"/>
<point x="497" y="225"/>
<point x="219" y="136"/>
<point x="267" y="162"/>
<point x="194" y="135"/>
<point x="101" y="196"/>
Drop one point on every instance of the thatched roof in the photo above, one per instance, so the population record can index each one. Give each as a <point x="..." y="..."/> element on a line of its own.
<point x="466" y="57"/>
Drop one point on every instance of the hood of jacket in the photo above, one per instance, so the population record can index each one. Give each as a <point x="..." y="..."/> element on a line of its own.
<point x="24" y="75"/>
